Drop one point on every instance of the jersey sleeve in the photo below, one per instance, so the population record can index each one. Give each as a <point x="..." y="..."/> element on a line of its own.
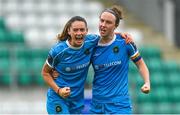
<point x="133" y="52"/>
<point x="94" y="38"/>
<point x="52" y="58"/>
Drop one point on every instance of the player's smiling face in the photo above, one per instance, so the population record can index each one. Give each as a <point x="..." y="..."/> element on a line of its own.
<point x="107" y="24"/>
<point x="77" y="31"/>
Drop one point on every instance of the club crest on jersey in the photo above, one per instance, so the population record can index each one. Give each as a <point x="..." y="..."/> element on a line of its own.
<point x="87" y="52"/>
<point x="58" y="108"/>
<point x="116" y="49"/>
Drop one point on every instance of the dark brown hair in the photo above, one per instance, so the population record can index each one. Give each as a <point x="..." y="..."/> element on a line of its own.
<point x="116" y="11"/>
<point x="64" y="35"/>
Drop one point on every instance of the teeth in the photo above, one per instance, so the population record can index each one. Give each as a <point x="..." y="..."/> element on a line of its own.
<point x="79" y="37"/>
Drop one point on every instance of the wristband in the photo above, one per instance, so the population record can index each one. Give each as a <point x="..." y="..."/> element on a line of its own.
<point x="58" y="91"/>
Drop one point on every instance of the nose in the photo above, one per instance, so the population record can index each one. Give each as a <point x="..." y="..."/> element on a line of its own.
<point x="102" y="24"/>
<point x="78" y="32"/>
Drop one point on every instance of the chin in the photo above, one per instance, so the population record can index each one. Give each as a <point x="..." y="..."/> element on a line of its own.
<point x="102" y="34"/>
<point x="79" y="44"/>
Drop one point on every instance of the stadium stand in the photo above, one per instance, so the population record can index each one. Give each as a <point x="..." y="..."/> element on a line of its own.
<point x="27" y="29"/>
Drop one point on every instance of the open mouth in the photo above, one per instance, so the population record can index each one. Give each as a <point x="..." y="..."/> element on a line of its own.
<point x="79" y="37"/>
<point x="102" y="30"/>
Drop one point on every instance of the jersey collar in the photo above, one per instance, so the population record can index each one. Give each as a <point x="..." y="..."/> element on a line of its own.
<point x="76" y="48"/>
<point x="109" y="43"/>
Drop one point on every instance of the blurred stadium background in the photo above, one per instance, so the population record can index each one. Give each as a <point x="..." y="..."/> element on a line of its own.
<point x="28" y="29"/>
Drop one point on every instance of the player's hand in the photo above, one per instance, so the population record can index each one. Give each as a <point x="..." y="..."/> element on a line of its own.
<point x="128" y="38"/>
<point x="64" y="92"/>
<point x="54" y="74"/>
<point x="146" y="88"/>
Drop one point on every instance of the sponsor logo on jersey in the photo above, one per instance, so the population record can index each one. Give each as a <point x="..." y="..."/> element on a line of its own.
<point x="107" y="64"/>
<point x="78" y="67"/>
<point x="68" y="69"/>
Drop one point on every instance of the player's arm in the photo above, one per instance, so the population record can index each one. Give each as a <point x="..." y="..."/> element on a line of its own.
<point x="128" y="38"/>
<point x="54" y="74"/>
<point x="46" y="73"/>
<point x="143" y="70"/>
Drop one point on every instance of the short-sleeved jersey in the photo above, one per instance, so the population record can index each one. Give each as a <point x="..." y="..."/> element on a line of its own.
<point x="110" y="62"/>
<point x="72" y="64"/>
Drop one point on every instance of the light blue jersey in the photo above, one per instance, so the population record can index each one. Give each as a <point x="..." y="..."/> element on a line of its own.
<point x="110" y="85"/>
<point x="72" y="64"/>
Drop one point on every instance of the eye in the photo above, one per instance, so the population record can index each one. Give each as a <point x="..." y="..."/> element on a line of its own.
<point x="82" y="29"/>
<point x="109" y="22"/>
<point x="101" y="20"/>
<point x="75" y="30"/>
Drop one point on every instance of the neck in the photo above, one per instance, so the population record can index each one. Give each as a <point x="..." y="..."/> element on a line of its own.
<point x="105" y="40"/>
<point x="69" y="42"/>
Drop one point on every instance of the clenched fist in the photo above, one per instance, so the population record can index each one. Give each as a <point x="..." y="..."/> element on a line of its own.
<point x="64" y="92"/>
<point x="146" y="88"/>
